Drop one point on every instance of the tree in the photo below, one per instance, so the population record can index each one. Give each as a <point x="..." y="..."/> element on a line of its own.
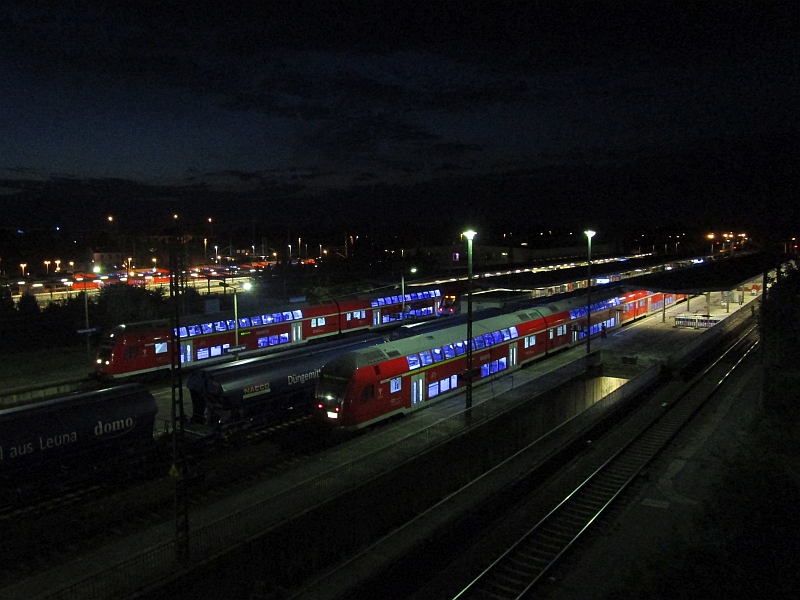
<point x="779" y="326"/>
<point x="28" y="306"/>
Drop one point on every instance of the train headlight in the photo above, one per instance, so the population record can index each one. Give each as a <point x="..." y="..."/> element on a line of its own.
<point x="99" y="361"/>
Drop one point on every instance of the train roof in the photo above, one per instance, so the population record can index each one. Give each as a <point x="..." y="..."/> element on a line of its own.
<point x="128" y="393"/>
<point x="403" y="347"/>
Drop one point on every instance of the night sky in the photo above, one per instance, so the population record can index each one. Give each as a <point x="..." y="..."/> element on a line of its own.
<point x="414" y="115"/>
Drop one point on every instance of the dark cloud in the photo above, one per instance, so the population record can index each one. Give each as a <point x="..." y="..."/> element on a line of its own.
<point x="141" y="102"/>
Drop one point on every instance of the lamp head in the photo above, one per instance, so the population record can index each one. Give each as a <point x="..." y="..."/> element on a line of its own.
<point x="470" y="234"/>
<point x="589" y="233"/>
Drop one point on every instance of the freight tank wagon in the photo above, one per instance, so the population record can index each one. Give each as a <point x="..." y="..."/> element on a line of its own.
<point x="78" y="431"/>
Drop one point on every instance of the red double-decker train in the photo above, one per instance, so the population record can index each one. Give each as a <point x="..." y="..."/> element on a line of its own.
<point x="138" y="348"/>
<point x="362" y="387"/>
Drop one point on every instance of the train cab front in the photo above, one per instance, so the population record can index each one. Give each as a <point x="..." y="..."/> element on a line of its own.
<point x="104" y="361"/>
<point x="330" y="399"/>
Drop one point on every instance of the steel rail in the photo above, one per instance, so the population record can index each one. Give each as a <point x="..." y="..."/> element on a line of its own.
<point x="522" y="566"/>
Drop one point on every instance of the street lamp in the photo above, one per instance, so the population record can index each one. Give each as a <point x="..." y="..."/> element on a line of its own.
<point x="154" y="264"/>
<point x="589" y="235"/>
<point x="47" y="267"/>
<point x="22" y="266"/>
<point x="246" y="287"/>
<point x="58" y="265"/>
<point x="710" y="236"/>
<point x="470" y="235"/>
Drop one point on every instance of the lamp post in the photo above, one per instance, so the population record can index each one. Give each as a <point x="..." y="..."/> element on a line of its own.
<point x="710" y="236"/>
<point x="589" y="235"/>
<point x="155" y="260"/>
<point x="47" y="267"/>
<point x="22" y="266"/>
<point x="245" y="286"/>
<point x="58" y="265"/>
<point x="470" y="235"/>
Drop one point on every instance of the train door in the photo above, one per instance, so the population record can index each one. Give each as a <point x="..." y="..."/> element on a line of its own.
<point x="417" y="389"/>
<point x="187" y="353"/>
<point x="297" y="332"/>
<point x="512" y="355"/>
<point x="376" y="316"/>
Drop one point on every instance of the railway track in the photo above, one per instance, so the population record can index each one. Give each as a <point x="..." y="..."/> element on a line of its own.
<point x="517" y="572"/>
<point x="40" y="535"/>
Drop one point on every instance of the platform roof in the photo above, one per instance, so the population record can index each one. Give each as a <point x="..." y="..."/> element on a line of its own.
<point x="722" y="274"/>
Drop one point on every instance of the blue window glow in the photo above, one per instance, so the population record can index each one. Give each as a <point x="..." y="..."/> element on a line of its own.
<point x="298" y="314"/>
<point x="433" y="389"/>
<point x="438" y="356"/>
<point x="449" y="351"/>
<point x="425" y="357"/>
<point x="498" y="337"/>
<point x="244" y="322"/>
<point x="513" y="331"/>
<point x="488" y="339"/>
<point x="273" y="340"/>
<point x="194" y="330"/>
<point x="220" y="326"/>
<point x="413" y="361"/>
<point x="461" y="348"/>
<point x="202" y="353"/>
<point x="478" y="343"/>
<point x="506" y="334"/>
<point x="284" y="338"/>
<point x="255" y="321"/>
<point x="207" y="328"/>
<point x="216" y="350"/>
<point x="263" y="342"/>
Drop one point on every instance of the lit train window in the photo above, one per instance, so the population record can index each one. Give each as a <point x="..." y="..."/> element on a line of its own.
<point x="220" y="326"/>
<point x="437" y="354"/>
<point x="231" y="324"/>
<point x="284" y="339"/>
<point x="413" y="361"/>
<point x="349" y="316"/>
<point x="202" y="353"/>
<point x="426" y="358"/>
<point x="396" y="384"/>
<point x="267" y="319"/>
<point x="184" y="332"/>
<point x="498" y="337"/>
<point x="460" y="348"/>
<point x="449" y="351"/>
<point x="216" y="350"/>
<point x="287" y="316"/>
<point x="194" y="330"/>
<point x="207" y="328"/>
<point x="444" y="385"/>
<point x="254" y="321"/>
<point x="298" y="314"/>
<point x="478" y="343"/>
<point x="530" y="341"/>
<point x="488" y="339"/>
<point x="273" y="340"/>
<point x="506" y="334"/>
<point x="433" y="389"/>
<point x="244" y="322"/>
<point x="161" y="347"/>
<point x="263" y="342"/>
<point x="513" y="331"/>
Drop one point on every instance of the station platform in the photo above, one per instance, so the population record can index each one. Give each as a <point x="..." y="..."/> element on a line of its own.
<point x="148" y="558"/>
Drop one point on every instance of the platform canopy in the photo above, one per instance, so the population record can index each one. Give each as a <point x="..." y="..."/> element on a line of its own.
<point x="720" y="275"/>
